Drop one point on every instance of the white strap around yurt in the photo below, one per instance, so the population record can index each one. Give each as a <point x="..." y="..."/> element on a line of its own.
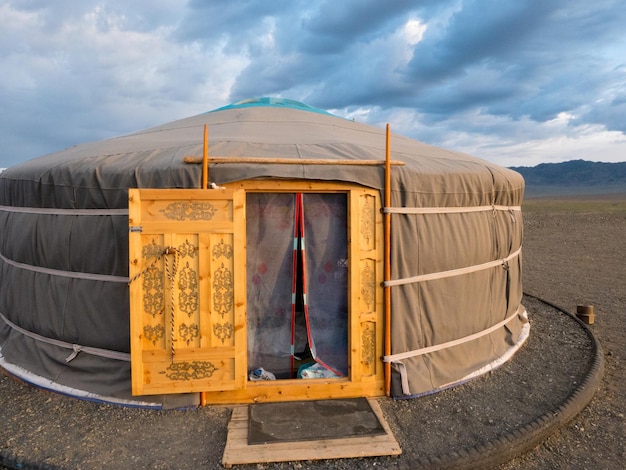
<point x="396" y="358"/>
<point x="56" y="211"/>
<point x="76" y="348"/>
<point x="62" y="273"/>
<point x="456" y="342"/>
<point x="454" y="272"/>
<point x="448" y="210"/>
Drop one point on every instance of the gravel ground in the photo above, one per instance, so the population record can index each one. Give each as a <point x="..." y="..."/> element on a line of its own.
<point x="575" y="254"/>
<point x="570" y="258"/>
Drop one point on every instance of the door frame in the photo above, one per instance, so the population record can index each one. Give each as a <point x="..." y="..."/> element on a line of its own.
<point x="365" y="303"/>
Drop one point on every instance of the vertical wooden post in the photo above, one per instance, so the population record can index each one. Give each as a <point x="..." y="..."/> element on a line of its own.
<point x="387" y="290"/>
<point x="205" y="185"/>
<point x="205" y="159"/>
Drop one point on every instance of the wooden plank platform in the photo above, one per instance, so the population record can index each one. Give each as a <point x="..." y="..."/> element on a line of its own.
<point x="238" y="451"/>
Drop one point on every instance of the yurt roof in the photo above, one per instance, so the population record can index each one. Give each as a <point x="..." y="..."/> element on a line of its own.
<point x="93" y="174"/>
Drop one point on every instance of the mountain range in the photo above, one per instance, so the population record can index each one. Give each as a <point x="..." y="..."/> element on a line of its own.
<point x="575" y="177"/>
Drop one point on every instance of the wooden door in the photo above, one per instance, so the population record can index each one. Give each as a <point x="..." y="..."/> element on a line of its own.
<point x="187" y="290"/>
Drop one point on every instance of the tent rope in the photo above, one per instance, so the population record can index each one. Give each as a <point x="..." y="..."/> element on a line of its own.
<point x="148" y="267"/>
<point x="170" y="272"/>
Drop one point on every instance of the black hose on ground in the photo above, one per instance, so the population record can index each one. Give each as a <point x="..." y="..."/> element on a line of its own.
<point x="515" y="443"/>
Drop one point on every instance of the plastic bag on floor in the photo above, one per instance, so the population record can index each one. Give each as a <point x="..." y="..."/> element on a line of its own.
<point x="315" y="371"/>
<point x="261" y="374"/>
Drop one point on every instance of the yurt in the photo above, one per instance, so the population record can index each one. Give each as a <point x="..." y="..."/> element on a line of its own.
<point x="263" y="251"/>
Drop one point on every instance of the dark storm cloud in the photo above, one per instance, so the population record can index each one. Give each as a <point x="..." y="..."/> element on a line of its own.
<point x="507" y="79"/>
<point x="334" y="26"/>
<point x="535" y="51"/>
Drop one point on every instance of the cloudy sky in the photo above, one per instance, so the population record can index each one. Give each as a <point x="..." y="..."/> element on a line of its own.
<point x="517" y="82"/>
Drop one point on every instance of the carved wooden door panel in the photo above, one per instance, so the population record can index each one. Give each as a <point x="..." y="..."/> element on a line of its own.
<point x="187" y="290"/>
<point x="367" y="277"/>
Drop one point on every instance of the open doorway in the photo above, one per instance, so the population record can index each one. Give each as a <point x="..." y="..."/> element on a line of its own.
<point x="297" y="276"/>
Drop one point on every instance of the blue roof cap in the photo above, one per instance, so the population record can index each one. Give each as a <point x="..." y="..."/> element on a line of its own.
<point x="272" y="102"/>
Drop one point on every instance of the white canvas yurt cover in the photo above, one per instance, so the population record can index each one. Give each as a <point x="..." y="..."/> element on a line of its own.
<point x="68" y="233"/>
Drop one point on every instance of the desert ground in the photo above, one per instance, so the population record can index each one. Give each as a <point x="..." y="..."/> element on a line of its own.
<point x="574" y="254"/>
